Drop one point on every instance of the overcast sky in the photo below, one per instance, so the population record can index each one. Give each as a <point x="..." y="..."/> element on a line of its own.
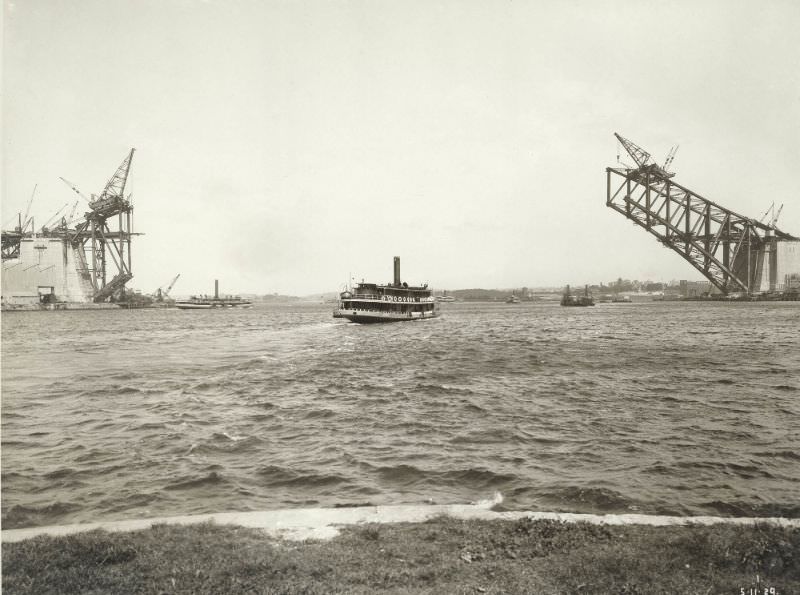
<point x="281" y="146"/>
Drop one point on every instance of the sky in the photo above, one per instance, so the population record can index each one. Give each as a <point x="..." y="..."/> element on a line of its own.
<point x="285" y="146"/>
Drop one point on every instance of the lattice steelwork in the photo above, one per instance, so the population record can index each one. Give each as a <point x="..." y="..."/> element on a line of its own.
<point x="95" y="235"/>
<point x="722" y="245"/>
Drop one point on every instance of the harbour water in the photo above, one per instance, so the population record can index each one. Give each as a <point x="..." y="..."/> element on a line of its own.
<point x="665" y="408"/>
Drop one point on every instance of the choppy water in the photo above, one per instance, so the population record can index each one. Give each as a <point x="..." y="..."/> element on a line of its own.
<point x="647" y="407"/>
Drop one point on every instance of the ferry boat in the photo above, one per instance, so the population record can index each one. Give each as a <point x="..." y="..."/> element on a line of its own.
<point x="569" y="299"/>
<point x="206" y="302"/>
<point x="370" y="302"/>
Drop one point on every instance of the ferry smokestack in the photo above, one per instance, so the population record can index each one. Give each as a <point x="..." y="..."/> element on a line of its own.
<point x="216" y="289"/>
<point x="397" y="271"/>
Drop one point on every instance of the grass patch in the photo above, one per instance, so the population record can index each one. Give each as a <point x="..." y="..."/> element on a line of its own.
<point x="440" y="556"/>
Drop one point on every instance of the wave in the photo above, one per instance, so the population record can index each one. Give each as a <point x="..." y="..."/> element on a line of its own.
<point x="479" y="477"/>
<point x="590" y="499"/>
<point x="319" y="414"/>
<point x="227" y="443"/>
<point x="129" y="501"/>
<point x="150" y="425"/>
<point x="275" y="476"/>
<point x="127" y="390"/>
<point x="791" y="455"/>
<point x="746" y="471"/>
<point x="750" y="509"/>
<point x="59" y="473"/>
<point x="489" y="503"/>
<point x="441" y="389"/>
<point x="226" y="436"/>
<point x="212" y="479"/>
<point x="489" y="436"/>
<point x="20" y="515"/>
<point x="470" y="478"/>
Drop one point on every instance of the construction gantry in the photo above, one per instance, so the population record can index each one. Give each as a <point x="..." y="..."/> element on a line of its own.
<point x="727" y="248"/>
<point x="95" y="234"/>
<point x="98" y="244"/>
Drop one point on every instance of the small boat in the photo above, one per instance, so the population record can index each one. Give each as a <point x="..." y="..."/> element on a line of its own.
<point x="569" y="299"/>
<point x="206" y="302"/>
<point x="370" y="302"/>
<point x="512" y="299"/>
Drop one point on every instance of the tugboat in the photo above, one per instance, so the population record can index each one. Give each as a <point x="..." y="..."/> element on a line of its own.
<point x="569" y="299"/>
<point x="370" y="302"/>
<point x="205" y="302"/>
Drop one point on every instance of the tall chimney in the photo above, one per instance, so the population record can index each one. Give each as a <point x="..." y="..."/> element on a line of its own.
<point x="397" y="271"/>
<point x="216" y="289"/>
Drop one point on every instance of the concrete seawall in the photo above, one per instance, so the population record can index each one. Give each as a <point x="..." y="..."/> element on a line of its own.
<point x="323" y="523"/>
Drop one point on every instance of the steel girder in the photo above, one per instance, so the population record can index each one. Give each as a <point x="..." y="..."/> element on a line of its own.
<point x="95" y="236"/>
<point x="719" y="243"/>
<point x="11" y="241"/>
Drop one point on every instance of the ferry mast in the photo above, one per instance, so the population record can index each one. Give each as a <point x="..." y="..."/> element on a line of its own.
<point x="729" y="249"/>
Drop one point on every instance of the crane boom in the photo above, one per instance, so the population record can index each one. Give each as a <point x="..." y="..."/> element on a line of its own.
<point x="639" y="155"/>
<point x="72" y="213"/>
<point x="670" y="157"/>
<point x="775" y="218"/>
<point x="169" y="288"/>
<point x="54" y="217"/>
<point x="116" y="185"/>
<point x="24" y="222"/>
<point x="74" y="188"/>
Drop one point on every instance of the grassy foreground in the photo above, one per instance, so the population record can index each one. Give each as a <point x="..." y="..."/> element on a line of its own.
<point x="440" y="556"/>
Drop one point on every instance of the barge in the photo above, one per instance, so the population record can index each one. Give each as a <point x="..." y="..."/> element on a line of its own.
<point x="571" y="299"/>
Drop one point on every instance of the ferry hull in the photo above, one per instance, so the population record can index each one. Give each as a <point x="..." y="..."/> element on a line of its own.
<point x="369" y="317"/>
<point x="210" y="304"/>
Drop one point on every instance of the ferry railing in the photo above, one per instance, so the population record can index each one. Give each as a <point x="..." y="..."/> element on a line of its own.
<point x="388" y="299"/>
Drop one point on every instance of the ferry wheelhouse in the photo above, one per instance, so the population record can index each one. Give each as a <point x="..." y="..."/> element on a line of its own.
<point x="370" y="302"/>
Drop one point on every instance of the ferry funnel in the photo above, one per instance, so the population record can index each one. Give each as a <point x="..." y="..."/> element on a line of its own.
<point x="397" y="271"/>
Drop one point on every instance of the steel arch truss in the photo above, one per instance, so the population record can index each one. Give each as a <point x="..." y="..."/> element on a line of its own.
<point x="719" y="243"/>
